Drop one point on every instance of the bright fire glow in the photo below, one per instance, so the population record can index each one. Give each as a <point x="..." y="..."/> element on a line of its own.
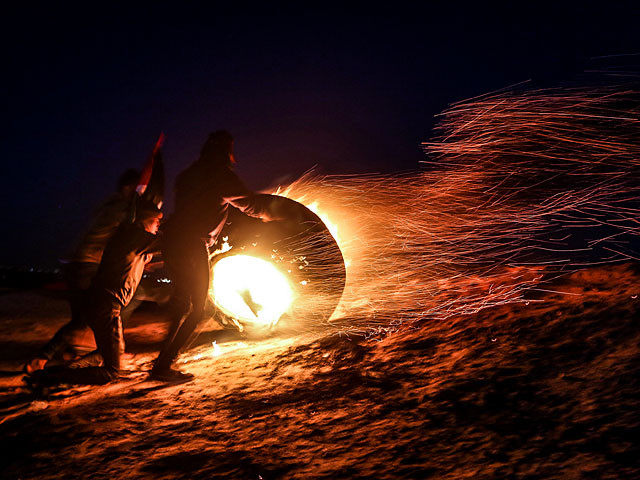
<point x="312" y="203"/>
<point x="251" y="289"/>
<point x="324" y="216"/>
<point x="517" y="187"/>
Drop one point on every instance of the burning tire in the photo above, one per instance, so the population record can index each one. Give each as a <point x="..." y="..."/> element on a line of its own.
<point x="289" y="269"/>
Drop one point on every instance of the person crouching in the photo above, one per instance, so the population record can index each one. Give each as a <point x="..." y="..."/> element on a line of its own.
<point x="112" y="288"/>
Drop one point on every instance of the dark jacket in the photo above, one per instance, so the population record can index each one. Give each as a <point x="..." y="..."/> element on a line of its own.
<point x="123" y="261"/>
<point x="104" y="223"/>
<point x="204" y="192"/>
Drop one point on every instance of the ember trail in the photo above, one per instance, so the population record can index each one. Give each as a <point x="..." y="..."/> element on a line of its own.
<point x="514" y="185"/>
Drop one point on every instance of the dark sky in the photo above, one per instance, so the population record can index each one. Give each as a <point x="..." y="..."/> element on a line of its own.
<point x="87" y="93"/>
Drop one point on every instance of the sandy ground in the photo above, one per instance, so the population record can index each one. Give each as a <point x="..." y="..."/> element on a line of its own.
<point x="545" y="390"/>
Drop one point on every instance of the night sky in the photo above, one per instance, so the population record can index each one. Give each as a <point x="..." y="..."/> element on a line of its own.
<point x="87" y="93"/>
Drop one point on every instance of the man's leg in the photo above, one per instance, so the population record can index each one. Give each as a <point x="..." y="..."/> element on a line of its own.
<point x="194" y="279"/>
<point x="107" y="328"/>
<point x="108" y="331"/>
<point x="179" y="308"/>
<point x="171" y="349"/>
<point x="78" y="276"/>
<point x="62" y="339"/>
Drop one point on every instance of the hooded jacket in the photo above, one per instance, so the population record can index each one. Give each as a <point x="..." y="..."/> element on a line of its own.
<point x="204" y="192"/>
<point x="105" y="222"/>
<point x="123" y="261"/>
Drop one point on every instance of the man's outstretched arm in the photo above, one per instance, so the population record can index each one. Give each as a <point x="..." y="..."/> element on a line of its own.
<point x="240" y="197"/>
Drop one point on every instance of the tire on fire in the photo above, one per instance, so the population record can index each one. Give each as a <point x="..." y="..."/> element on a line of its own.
<point x="301" y="247"/>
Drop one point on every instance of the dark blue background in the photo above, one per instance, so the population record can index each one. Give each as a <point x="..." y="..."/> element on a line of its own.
<point x="87" y="93"/>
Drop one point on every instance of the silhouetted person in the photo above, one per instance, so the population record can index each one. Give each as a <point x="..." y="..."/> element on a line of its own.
<point x="84" y="262"/>
<point x="112" y="288"/>
<point x="203" y="193"/>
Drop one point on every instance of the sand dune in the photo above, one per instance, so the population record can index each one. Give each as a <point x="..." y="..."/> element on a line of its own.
<point x="544" y="390"/>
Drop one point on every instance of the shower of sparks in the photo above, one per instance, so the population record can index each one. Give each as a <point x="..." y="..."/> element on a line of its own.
<point x="514" y="186"/>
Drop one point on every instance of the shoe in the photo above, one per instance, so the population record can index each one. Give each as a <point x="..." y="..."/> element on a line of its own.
<point x="170" y="375"/>
<point x="34" y="365"/>
<point x="38" y="383"/>
<point x="70" y="355"/>
<point x="34" y="386"/>
<point x="91" y="359"/>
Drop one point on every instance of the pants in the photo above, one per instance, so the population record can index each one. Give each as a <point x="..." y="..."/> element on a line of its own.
<point x="187" y="263"/>
<point x="78" y="276"/>
<point x="102" y="314"/>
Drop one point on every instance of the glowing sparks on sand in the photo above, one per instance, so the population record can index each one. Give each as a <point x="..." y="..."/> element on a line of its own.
<point x="251" y="289"/>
